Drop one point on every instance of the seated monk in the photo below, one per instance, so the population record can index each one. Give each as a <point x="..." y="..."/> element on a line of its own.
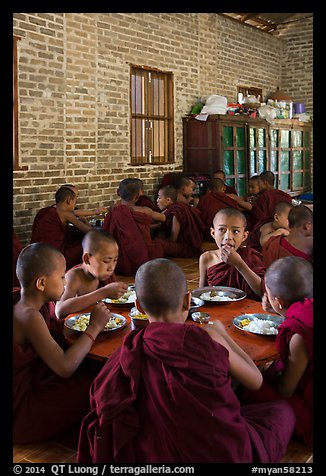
<point x="93" y="280"/>
<point x="214" y="200"/>
<point x="230" y="264"/>
<point x="289" y="292"/>
<point x="253" y="189"/>
<point x="17" y="247"/>
<point x="298" y="242"/>
<point x="264" y="207"/>
<point x="166" y="397"/>
<point x="220" y="174"/>
<point x="144" y="200"/>
<point x="185" y="188"/>
<point x="50" y="383"/>
<point x="183" y="225"/>
<point x="130" y="226"/>
<point x="85" y="213"/>
<point x="52" y="226"/>
<point x="278" y="226"/>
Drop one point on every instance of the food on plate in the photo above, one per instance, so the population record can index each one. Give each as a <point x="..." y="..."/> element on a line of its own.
<point x="218" y="296"/>
<point x="82" y="322"/>
<point x="260" y="326"/>
<point x="244" y="322"/>
<point x="135" y="313"/>
<point x="128" y="296"/>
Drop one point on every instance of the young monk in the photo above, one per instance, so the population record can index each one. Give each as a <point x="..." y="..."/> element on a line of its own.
<point x="85" y="213"/>
<point x="93" y="279"/>
<point x="220" y="174"/>
<point x="51" y="226"/>
<point x="214" y="200"/>
<point x="50" y="385"/>
<point x="185" y="188"/>
<point x="130" y="225"/>
<point x="253" y="189"/>
<point x="279" y="226"/>
<point x="289" y="292"/>
<point x="299" y="240"/>
<point x="165" y="396"/>
<point x="183" y="225"/>
<point x="144" y="200"/>
<point x="230" y="264"/>
<point x="264" y="207"/>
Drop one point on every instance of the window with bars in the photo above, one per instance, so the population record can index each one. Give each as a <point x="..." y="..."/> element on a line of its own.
<point x="152" y="140"/>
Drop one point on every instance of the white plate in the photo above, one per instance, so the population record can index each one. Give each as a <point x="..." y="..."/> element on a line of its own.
<point x="128" y="298"/>
<point x="73" y="321"/>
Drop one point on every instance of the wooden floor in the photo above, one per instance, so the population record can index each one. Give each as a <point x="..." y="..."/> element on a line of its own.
<point x="63" y="449"/>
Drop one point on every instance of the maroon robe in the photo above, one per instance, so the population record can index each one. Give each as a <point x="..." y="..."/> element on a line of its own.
<point x="17" y="247"/>
<point x="299" y="320"/>
<point x="211" y="203"/>
<point x="222" y="274"/>
<point x="45" y="404"/>
<point x="145" y="201"/>
<point x="263" y="208"/>
<point x="192" y="228"/>
<point x="131" y="229"/>
<point x="165" y="397"/>
<point x="279" y="247"/>
<point x="48" y="228"/>
<point x="230" y="189"/>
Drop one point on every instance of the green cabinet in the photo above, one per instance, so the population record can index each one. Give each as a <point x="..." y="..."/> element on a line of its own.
<point x="244" y="146"/>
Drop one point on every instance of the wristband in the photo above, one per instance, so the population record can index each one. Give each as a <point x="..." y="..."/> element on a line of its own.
<point x="90" y="336"/>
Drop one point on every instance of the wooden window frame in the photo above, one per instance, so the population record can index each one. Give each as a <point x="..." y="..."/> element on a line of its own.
<point x="147" y="92"/>
<point x="16" y="165"/>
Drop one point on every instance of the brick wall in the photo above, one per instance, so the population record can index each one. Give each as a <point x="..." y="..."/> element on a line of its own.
<point x="74" y="92"/>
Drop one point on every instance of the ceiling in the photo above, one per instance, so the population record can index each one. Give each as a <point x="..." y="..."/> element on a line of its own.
<point x="268" y="22"/>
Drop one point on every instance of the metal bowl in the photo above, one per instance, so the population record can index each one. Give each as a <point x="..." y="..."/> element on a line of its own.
<point x="201" y="317"/>
<point x="195" y="304"/>
<point x="136" y="319"/>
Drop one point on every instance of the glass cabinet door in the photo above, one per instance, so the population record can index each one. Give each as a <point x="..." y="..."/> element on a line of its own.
<point x="234" y="157"/>
<point x="258" y="146"/>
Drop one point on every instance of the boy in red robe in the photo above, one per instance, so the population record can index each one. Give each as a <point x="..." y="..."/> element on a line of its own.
<point x="52" y="226"/>
<point x="50" y="386"/>
<point x="93" y="280"/>
<point x="183" y="226"/>
<point x="144" y="200"/>
<point x="299" y="240"/>
<point x="279" y="226"/>
<point x="289" y="292"/>
<point x="220" y="174"/>
<point x="214" y="200"/>
<point x="230" y="264"/>
<point x="131" y="227"/>
<point x="166" y="397"/>
<point x="264" y="207"/>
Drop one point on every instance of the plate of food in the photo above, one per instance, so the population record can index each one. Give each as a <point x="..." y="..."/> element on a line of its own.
<point x="265" y="324"/>
<point x="80" y="322"/>
<point x="127" y="299"/>
<point x="213" y="294"/>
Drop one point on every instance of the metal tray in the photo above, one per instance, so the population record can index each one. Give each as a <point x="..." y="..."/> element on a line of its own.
<point x="225" y="294"/>
<point x="276" y="320"/>
<point x="71" y="321"/>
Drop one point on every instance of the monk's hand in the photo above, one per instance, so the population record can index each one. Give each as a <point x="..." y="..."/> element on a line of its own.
<point x="99" y="317"/>
<point x="229" y="255"/>
<point x="115" y="290"/>
<point x="266" y="305"/>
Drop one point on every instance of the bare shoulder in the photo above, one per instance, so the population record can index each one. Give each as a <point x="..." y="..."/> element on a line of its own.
<point x="210" y="255"/>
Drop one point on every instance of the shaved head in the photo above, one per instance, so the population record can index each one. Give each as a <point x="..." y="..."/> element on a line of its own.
<point x="129" y="188"/>
<point x="160" y="286"/>
<point x="93" y="240"/>
<point x="230" y="212"/>
<point x="283" y="207"/>
<point x="169" y="191"/>
<point x="290" y="278"/>
<point x="215" y="185"/>
<point x="299" y="216"/>
<point x="35" y="260"/>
